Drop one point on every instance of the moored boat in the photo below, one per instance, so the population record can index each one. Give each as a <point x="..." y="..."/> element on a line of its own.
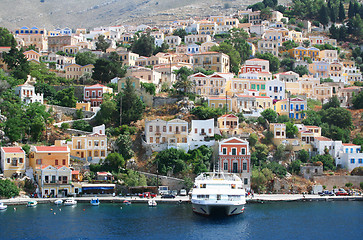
<point x="70" y="202"/>
<point x="95" y="201"/>
<point x="32" y="203"/>
<point x="58" y="202"/>
<point x="2" y="206"/>
<point x="218" y="192"/>
<point x="126" y="202"/>
<point x="152" y="203"/>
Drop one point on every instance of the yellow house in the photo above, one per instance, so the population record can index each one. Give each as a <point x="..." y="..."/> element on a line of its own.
<point x="13" y="161"/>
<point x="293" y="107"/>
<point x="299" y="53"/>
<point x="85" y="106"/>
<point x="223" y="102"/>
<point x="49" y="155"/>
<point x="90" y="147"/>
<point x="296" y="36"/>
<point x="228" y="124"/>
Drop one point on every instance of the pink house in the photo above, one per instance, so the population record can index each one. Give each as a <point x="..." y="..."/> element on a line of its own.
<point x="94" y="94"/>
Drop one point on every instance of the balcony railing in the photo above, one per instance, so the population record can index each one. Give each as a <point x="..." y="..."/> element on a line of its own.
<point x="56" y="182"/>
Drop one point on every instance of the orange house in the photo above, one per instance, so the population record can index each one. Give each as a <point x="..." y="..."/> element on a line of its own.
<point x="235" y="157"/>
<point x="49" y="155"/>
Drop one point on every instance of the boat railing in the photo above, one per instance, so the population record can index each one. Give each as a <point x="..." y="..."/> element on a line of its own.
<point x="218" y="176"/>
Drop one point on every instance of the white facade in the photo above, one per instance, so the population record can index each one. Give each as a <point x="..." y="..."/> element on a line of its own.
<point x="194" y="48"/>
<point x="275" y="89"/>
<point x="201" y="129"/>
<point x="27" y="94"/>
<point x="350" y="157"/>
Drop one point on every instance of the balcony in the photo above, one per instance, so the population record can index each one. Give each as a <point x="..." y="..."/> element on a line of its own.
<point x="55" y="182"/>
<point x="207" y="62"/>
<point x="203" y="134"/>
<point x="158" y="133"/>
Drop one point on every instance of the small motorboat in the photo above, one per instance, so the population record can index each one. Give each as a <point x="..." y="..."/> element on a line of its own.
<point x="152" y="203"/>
<point x="58" y="202"/>
<point x="70" y="202"/>
<point x="127" y="202"/>
<point x="95" y="201"/>
<point x="2" y="206"/>
<point x="32" y="203"/>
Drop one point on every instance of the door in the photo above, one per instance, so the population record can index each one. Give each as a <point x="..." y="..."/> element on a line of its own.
<point x="82" y="154"/>
<point x="235" y="167"/>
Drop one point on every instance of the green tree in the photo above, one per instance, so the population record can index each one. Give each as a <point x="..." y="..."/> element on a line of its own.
<point x="124" y="144"/>
<point x="270" y="115"/>
<point x="102" y="44"/>
<point x="303" y="156"/>
<point x="109" y="112"/>
<point x="288" y="64"/>
<point x="339" y="117"/>
<point x="180" y="32"/>
<point x="133" y="179"/>
<point x="291" y="130"/>
<point x="283" y="119"/>
<point x="301" y="70"/>
<point x="234" y="56"/>
<point x="323" y="15"/>
<point x="265" y="14"/>
<point x="306" y="43"/>
<point x="114" y="162"/>
<point x="132" y="105"/>
<point x="149" y="88"/>
<point x="341" y="12"/>
<point x="351" y="10"/>
<point x="280" y="153"/>
<point x="252" y="139"/>
<point x="8" y="189"/>
<point x="105" y="70"/>
<point x="17" y="62"/>
<point x="332" y="103"/>
<point x="182" y="79"/>
<point x="171" y="160"/>
<point x="163" y="48"/>
<point x="358" y="171"/>
<point x="6" y="38"/>
<point x="47" y="90"/>
<point x="65" y="98"/>
<point x="85" y="58"/>
<point x="313" y="118"/>
<point x="204" y="112"/>
<point x="277" y="168"/>
<point x="289" y="44"/>
<point x="144" y="45"/>
<point x="358" y="101"/>
<point x="295" y="166"/>
<point x="82" y="125"/>
<point x="326" y="159"/>
<point x="273" y="61"/>
<point x="259" y="156"/>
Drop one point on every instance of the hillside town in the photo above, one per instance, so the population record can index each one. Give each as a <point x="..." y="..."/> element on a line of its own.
<point x="268" y="93"/>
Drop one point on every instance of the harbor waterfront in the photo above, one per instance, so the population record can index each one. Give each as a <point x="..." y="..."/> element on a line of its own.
<point x="293" y="220"/>
<point x="258" y="198"/>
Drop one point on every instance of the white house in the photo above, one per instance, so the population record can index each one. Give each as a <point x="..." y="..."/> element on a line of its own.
<point x="27" y="94"/>
<point x="350" y="156"/>
<point x="194" y="48"/>
<point x="275" y="89"/>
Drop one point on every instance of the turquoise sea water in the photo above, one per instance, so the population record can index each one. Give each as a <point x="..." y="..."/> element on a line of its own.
<point x="290" y="220"/>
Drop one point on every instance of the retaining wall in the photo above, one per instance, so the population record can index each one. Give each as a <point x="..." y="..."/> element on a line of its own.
<point x="339" y="181"/>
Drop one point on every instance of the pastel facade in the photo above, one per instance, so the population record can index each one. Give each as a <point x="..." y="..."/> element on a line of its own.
<point x="235" y="157"/>
<point x="319" y="69"/>
<point x="75" y="71"/>
<point x="56" y="43"/>
<point x="265" y="64"/>
<point x="54" y="181"/>
<point x="293" y="107"/>
<point x="218" y="62"/>
<point x="328" y="55"/>
<point x="222" y="102"/>
<point x="13" y="161"/>
<point x="32" y="55"/>
<point x="268" y="46"/>
<point x="275" y="89"/>
<point x="40" y="156"/>
<point x="208" y="85"/>
<point x="350" y="156"/>
<point x="94" y="94"/>
<point x="172" y="41"/>
<point x="228" y="124"/>
<point x="299" y="53"/>
<point x="207" y="27"/>
<point x="201" y="38"/>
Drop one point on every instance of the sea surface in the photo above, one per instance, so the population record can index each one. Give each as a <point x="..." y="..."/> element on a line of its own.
<point x="289" y="220"/>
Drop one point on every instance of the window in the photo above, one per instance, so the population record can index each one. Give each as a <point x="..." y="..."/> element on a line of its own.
<point x="170" y="128"/>
<point x="102" y="143"/>
<point x="150" y="128"/>
<point x="39" y="161"/>
<point x="234" y="151"/>
<point x="195" y="130"/>
<point x="56" y="162"/>
<point x="151" y="139"/>
<point x="352" y="160"/>
<point x="244" y="166"/>
<point x="360" y="160"/>
<point x="224" y="151"/>
<point x="64" y="162"/>
<point x="14" y="162"/>
<point x="225" y="166"/>
<point x="245" y="181"/>
<point x="184" y="128"/>
<point x="164" y="128"/>
<point x="96" y="143"/>
<point x="243" y="151"/>
<point x="102" y="153"/>
<point x="20" y="160"/>
<point x="8" y="160"/>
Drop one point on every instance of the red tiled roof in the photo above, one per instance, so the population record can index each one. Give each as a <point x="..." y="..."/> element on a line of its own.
<point x="13" y="149"/>
<point x="96" y="85"/>
<point x="229" y="115"/>
<point x="323" y="139"/>
<point x="51" y="149"/>
<point x="257" y="59"/>
<point x="75" y="172"/>
<point x="350" y="144"/>
<point x="311" y="126"/>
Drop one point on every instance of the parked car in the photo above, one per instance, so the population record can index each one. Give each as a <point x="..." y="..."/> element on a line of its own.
<point x="168" y="196"/>
<point x="341" y="193"/>
<point x="183" y="192"/>
<point x="147" y="195"/>
<point x="326" y="193"/>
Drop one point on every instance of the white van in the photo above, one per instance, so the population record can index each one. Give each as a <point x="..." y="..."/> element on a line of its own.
<point x="183" y="192"/>
<point x="163" y="190"/>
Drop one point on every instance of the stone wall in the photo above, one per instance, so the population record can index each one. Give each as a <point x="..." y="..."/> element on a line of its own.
<point x="69" y="111"/>
<point x="78" y="91"/>
<point x="160" y="101"/>
<point x="339" y="181"/>
<point x="172" y="183"/>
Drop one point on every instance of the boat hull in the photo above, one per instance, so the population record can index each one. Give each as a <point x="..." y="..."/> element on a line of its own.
<point x="218" y="209"/>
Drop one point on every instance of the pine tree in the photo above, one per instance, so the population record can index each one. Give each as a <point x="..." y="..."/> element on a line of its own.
<point x="323" y="15"/>
<point x="333" y="14"/>
<point x="351" y="10"/>
<point x="341" y="12"/>
<point x="342" y="33"/>
<point x="334" y="32"/>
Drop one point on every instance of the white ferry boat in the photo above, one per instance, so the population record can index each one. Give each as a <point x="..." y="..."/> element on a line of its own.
<point x="218" y="192"/>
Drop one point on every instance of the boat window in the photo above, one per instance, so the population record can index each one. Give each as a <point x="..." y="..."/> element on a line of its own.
<point x="203" y="185"/>
<point x="233" y="186"/>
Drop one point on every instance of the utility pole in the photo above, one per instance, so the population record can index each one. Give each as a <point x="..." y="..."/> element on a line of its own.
<point x="226" y="103"/>
<point x="120" y="108"/>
